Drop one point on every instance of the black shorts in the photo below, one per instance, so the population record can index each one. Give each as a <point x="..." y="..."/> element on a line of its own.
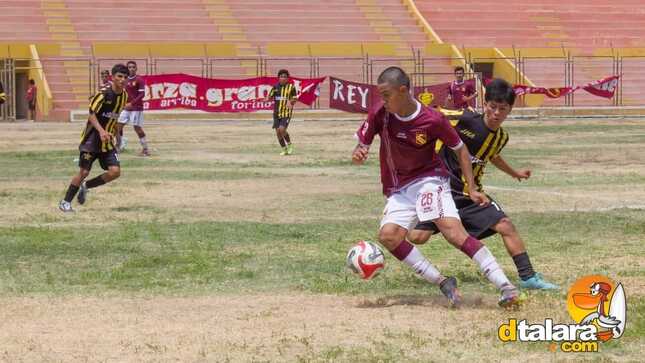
<point x="476" y="219"/>
<point x="280" y="121"/>
<point x="106" y="159"/>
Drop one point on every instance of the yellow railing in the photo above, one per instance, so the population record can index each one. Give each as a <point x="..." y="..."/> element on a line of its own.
<point x="44" y="96"/>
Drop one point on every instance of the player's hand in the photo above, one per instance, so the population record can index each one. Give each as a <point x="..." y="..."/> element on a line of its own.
<point x="523" y="174"/>
<point x="105" y="137"/>
<point x="359" y="155"/>
<point x="479" y="198"/>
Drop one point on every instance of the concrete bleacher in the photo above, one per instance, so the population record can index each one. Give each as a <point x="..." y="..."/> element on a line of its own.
<point x="537" y="23"/>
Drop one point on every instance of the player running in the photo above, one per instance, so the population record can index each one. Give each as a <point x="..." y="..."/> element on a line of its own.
<point x="485" y="139"/>
<point x="416" y="183"/>
<point x="97" y="140"/>
<point x="284" y="95"/>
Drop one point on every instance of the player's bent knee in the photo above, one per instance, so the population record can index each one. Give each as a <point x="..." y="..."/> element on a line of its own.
<point x="114" y="173"/>
<point x="505" y="226"/>
<point x="419" y="237"/>
<point x="391" y="235"/>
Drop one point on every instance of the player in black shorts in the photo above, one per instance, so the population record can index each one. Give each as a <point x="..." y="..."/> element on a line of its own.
<point x="284" y="95"/>
<point x="485" y="139"/>
<point x="97" y="139"/>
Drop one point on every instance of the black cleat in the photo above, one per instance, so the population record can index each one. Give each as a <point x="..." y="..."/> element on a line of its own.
<point x="449" y="288"/>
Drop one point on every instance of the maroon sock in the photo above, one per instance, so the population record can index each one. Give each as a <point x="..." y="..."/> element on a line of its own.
<point x="403" y="250"/>
<point x="471" y="246"/>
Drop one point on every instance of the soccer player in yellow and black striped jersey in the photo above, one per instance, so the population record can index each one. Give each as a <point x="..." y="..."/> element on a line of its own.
<point x="97" y="139"/>
<point x="485" y="138"/>
<point x="3" y="96"/>
<point x="284" y="95"/>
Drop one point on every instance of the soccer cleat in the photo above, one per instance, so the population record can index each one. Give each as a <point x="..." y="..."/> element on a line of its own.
<point x="510" y="298"/>
<point x="289" y="149"/>
<point x="65" y="206"/>
<point x="284" y="151"/>
<point x="82" y="193"/>
<point x="144" y="152"/>
<point x="537" y="282"/>
<point x="124" y="143"/>
<point x="449" y="288"/>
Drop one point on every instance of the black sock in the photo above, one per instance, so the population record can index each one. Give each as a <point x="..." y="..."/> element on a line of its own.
<point x="524" y="267"/>
<point x="95" y="182"/>
<point x="71" y="192"/>
<point x="281" y="141"/>
<point x="287" y="138"/>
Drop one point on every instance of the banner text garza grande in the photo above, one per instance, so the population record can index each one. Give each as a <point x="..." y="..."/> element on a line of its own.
<point x="168" y="91"/>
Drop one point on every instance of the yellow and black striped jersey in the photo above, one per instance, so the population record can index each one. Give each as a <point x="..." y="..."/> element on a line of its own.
<point x="482" y="142"/>
<point x="106" y="105"/>
<point x="283" y="95"/>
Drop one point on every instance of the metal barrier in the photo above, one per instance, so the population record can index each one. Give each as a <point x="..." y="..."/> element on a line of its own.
<point x="8" y="79"/>
<point x="570" y="71"/>
<point x="584" y="69"/>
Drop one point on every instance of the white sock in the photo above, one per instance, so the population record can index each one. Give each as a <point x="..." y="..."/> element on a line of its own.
<point x="422" y="266"/>
<point x="490" y="268"/>
<point x="143" y="142"/>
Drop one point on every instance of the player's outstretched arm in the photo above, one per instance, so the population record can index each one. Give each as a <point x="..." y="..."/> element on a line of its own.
<point x="502" y="165"/>
<point x="360" y="154"/>
<point x="467" y="171"/>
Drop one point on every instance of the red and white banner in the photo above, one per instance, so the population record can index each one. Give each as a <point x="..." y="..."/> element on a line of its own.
<point x="168" y="91"/>
<point x="605" y="87"/>
<point x="350" y="96"/>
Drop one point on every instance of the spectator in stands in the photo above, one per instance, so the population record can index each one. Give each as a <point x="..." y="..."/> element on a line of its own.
<point x="460" y="92"/>
<point x="32" y="93"/>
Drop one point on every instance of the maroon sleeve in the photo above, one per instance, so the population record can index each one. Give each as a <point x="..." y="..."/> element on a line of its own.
<point x="370" y="127"/>
<point x="447" y="133"/>
<point x="470" y="88"/>
<point x="140" y="91"/>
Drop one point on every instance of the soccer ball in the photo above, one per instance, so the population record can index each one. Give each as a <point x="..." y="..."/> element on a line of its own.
<point x="365" y="259"/>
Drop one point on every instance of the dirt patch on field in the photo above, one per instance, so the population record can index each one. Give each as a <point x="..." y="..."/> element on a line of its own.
<point x="261" y="328"/>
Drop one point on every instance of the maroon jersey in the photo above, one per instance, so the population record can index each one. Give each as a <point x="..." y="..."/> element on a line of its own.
<point x="136" y="90"/>
<point x="407" y="150"/>
<point x="460" y="90"/>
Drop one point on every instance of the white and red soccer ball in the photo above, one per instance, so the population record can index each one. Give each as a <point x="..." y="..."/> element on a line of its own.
<point x="365" y="259"/>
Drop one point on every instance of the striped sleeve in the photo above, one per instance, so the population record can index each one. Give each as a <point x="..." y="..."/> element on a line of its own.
<point x="502" y="143"/>
<point x="96" y="102"/>
<point x="293" y="93"/>
<point x="272" y="92"/>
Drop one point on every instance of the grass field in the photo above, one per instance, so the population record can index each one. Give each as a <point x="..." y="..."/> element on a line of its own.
<point x="218" y="249"/>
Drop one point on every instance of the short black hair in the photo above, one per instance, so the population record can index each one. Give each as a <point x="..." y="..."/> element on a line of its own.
<point x="119" y="68"/>
<point x="283" y="71"/>
<point x="459" y="68"/>
<point x="131" y="62"/>
<point x="498" y="90"/>
<point x="394" y="76"/>
<point x="31" y="81"/>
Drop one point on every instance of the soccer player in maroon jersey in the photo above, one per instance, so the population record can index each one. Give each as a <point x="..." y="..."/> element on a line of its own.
<point x="106" y="80"/>
<point x="133" y="111"/>
<point x="416" y="183"/>
<point x="460" y="92"/>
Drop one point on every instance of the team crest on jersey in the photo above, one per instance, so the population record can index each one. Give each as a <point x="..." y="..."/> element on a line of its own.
<point x="421" y="138"/>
